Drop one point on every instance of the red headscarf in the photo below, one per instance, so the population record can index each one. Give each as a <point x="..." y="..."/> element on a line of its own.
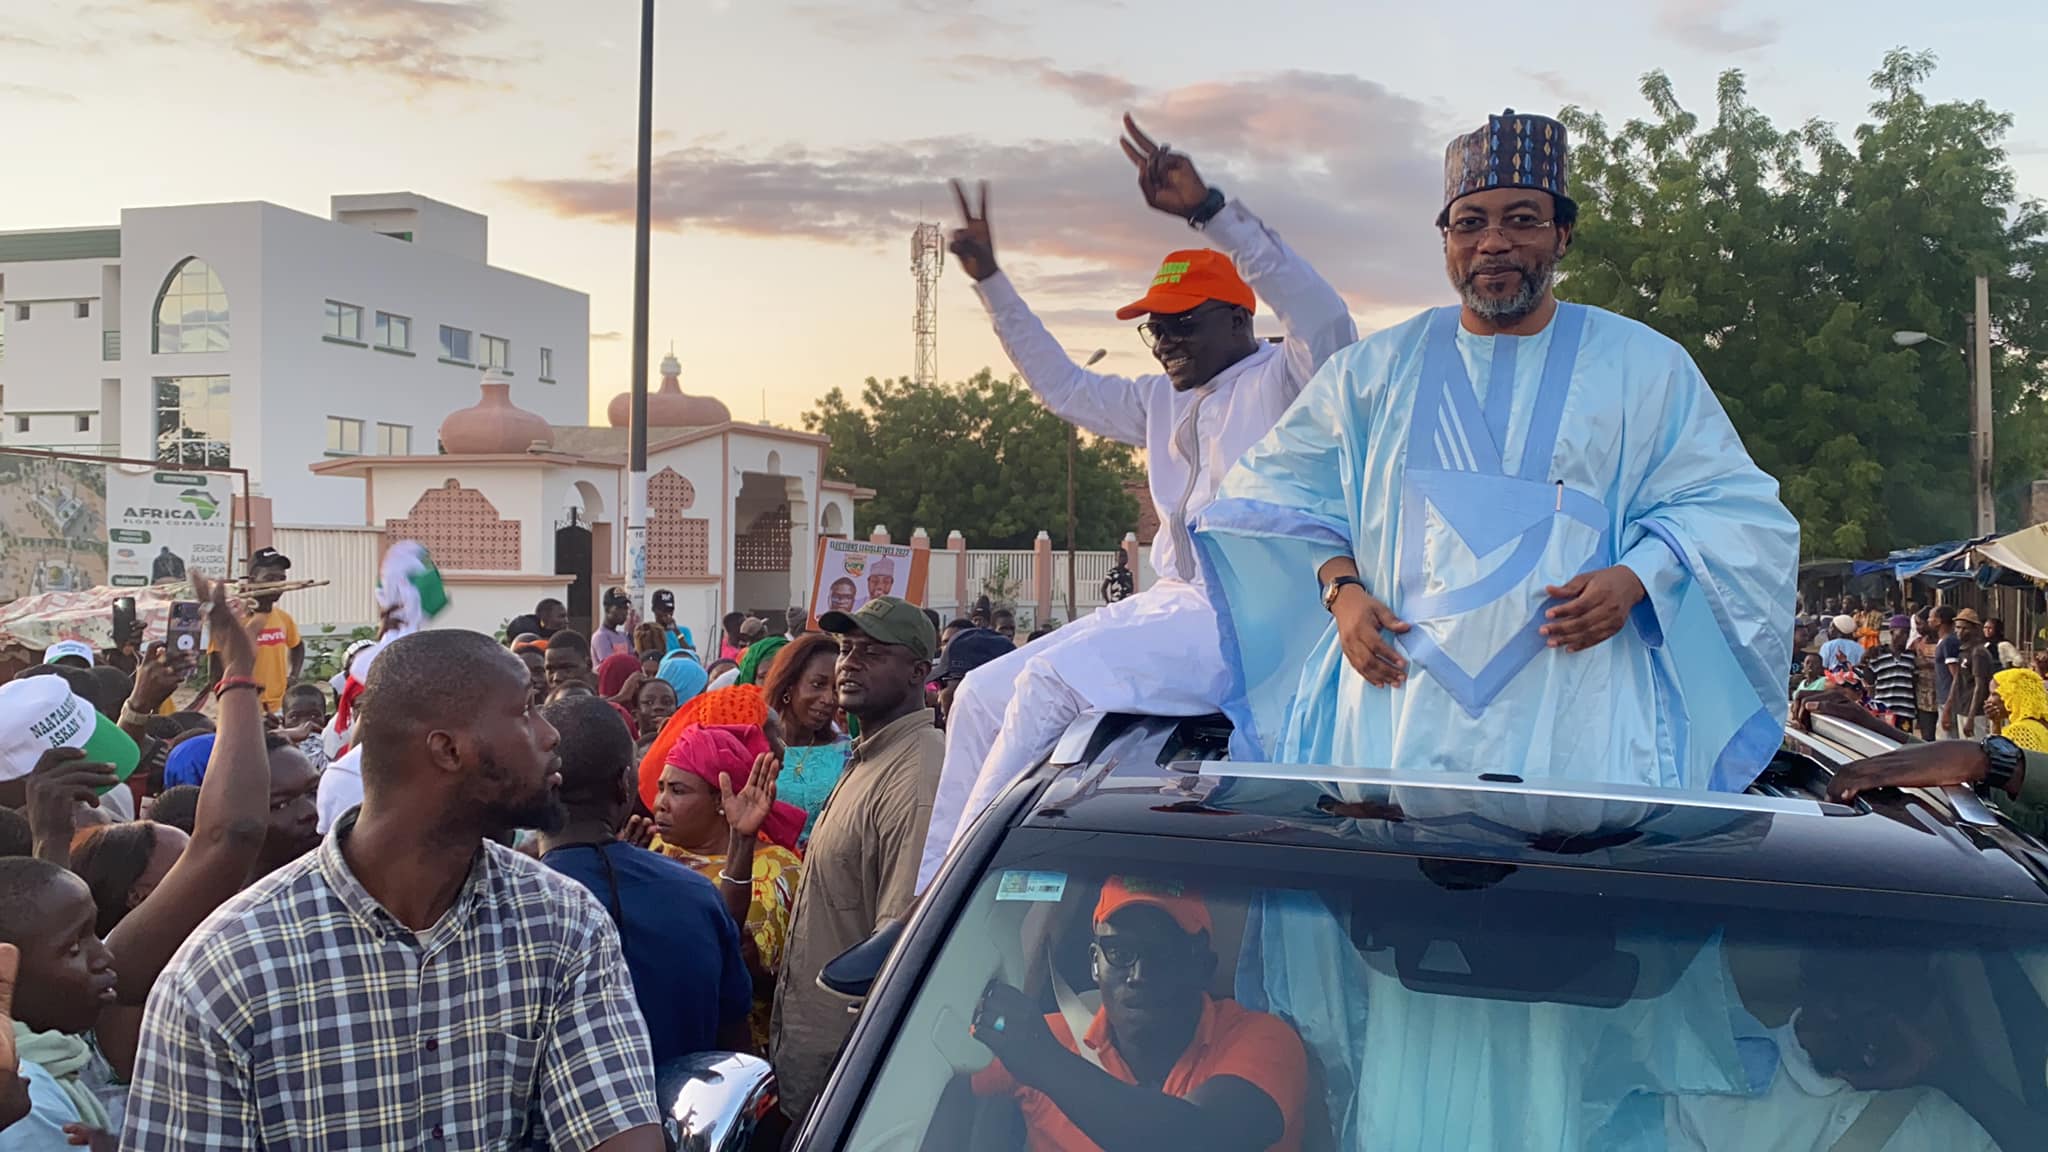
<point x="739" y="704"/>
<point x="613" y="673"/>
<point x="706" y="751"/>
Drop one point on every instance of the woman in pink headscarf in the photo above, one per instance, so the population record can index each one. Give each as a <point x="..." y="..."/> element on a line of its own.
<point x="715" y="811"/>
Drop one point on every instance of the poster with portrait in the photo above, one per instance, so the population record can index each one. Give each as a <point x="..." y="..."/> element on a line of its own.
<point x="852" y="572"/>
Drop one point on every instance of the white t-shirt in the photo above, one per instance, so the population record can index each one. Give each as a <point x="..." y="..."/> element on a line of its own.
<point x="341" y="788"/>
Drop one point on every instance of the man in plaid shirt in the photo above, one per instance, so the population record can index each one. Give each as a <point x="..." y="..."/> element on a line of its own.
<point x="411" y="984"/>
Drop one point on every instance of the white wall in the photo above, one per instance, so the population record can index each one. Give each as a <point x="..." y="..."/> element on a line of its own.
<point x="484" y="607"/>
<point x="279" y="267"/>
<point x="51" y="367"/>
<point x="515" y="490"/>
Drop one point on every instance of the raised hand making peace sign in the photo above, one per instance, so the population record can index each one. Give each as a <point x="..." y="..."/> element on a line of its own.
<point x="1167" y="178"/>
<point x="971" y="241"/>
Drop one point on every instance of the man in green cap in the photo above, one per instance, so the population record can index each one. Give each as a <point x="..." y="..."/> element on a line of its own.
<point x="861" y="868"/>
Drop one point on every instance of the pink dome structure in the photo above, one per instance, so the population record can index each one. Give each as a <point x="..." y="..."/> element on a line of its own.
<point x="669" y="406"/>
<point x="494" y="426"/>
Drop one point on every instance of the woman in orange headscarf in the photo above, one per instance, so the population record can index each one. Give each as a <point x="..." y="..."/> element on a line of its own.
<point x="739" y="704"/>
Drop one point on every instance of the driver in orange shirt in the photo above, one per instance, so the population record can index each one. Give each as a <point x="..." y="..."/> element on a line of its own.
<point x="1162" y="1065"/>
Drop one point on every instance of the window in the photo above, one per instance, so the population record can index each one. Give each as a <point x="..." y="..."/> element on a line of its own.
<point x="193" y="423"/>
<point x="84" y="422"/>
<point x="1502" y="954"/>
<point x="21" y="423"/>
<point x="394" y="439"/>
<point x="394" y="332"/>
<point x="497" y="353"/>
<point x="84" y="309"/>
<point x="21" y="311"/>
<point x="455" y="344"/>
<point x="344" y="436"/>
<point x="405" y="236"/>
<point x="192" y="310"/>
<point x="547" y="365"/>
<point x="344" y="321"/>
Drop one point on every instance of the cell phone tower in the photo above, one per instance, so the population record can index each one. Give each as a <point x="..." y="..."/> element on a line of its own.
<point x="927" y="260"/>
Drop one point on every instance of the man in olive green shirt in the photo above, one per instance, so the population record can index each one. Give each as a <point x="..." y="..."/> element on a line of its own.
<point x="2023" y="799"/>
<point x="860" y="870"/>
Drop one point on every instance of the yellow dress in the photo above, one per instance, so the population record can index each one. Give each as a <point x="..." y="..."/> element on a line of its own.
<point x="777" y="871"/>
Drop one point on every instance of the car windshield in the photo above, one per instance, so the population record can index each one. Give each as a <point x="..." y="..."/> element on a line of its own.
<point x="1393" y="1002"/>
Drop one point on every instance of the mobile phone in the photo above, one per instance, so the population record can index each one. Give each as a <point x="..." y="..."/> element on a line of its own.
<point x="184" y="628"/>
<point x="124" y="621"/>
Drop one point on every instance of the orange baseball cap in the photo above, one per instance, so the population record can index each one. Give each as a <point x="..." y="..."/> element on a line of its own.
<point x="1177" y="900"/>
<point x="1192" y="277"/>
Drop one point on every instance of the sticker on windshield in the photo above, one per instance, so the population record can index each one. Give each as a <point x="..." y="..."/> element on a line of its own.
<point x="1019" y="884"/>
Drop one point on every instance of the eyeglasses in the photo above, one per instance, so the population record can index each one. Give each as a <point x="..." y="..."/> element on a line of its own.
<point x="1516" y="229"/>
<point x="1177" y="327"/>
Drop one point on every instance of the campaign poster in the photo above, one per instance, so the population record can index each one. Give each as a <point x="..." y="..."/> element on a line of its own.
<point x="53" y="525"/>
<point x="163" y="524"/>
<point x="853" y="572"/>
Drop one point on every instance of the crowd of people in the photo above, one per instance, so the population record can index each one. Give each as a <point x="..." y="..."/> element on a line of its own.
<point x="447" y="802"/>
<point x="495" y="890"/>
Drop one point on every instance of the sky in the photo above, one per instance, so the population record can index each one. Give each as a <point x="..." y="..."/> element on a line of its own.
<point x="799" y="141"/>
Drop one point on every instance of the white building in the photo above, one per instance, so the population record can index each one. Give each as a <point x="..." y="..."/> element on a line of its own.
<point x="253" y="336"/>
<point x="518" y="509"/>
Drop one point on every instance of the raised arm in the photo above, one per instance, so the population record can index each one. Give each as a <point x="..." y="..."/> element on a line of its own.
<point x="1313" y="317"/>
<point x="1110" y="406"/>
<point x="227" y="833"/>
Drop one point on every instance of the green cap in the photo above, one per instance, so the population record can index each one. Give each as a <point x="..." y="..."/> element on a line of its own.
<point x="890" y="620"/>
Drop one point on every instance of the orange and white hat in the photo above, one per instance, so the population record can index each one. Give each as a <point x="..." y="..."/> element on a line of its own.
<point x="1191" y="277"/>
<point x="1172" y="897"/>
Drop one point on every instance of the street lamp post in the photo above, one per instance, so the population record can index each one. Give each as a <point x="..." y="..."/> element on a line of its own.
<point x="1976" y="349"/>
<point x="636" y="462"/>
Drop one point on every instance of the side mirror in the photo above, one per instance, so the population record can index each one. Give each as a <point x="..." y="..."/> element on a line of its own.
<point x="715" y="1100"/>
<point x="852" y="972"/>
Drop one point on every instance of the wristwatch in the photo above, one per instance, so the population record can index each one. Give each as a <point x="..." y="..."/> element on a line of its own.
<point x="1207" y="209"/>
<point x="1337" y="585"/>
<point x="2003" y="760"/>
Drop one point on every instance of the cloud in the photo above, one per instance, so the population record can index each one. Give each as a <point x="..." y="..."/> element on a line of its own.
<point x="427" y="42"/>
<point x="1094" y="89"/>
<point x="1560" y="86"/>
<point x="606" y="337"/>
<point x="1710" y="24"/>
<point x="35" y="92"/>
<point x="1347" y="171"/>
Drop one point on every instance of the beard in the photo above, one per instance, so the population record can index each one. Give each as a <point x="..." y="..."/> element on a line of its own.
<point x="540" y="809"/>
<point x="1537" y="273"/>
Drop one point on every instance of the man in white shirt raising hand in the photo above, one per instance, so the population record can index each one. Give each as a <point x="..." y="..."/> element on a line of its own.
<point x="1220" y="391"/>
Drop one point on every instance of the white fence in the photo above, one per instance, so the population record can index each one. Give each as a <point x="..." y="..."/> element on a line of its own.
<point x="344" y="557"/>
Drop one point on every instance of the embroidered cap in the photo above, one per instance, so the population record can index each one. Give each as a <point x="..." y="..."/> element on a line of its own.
<point x="1513" y="151"/>
<point x="1189" y="278"/>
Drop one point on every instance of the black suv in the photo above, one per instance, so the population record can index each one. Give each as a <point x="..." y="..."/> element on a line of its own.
<point x="1481" y="962"/>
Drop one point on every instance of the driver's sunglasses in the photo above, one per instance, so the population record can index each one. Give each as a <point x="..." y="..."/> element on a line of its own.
<point x="1176" y="327"/>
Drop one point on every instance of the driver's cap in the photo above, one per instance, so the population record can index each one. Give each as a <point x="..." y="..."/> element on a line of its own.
<point x="1177" y="900"/>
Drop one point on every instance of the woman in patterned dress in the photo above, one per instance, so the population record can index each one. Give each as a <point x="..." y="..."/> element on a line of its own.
<point x="746" y="848"/>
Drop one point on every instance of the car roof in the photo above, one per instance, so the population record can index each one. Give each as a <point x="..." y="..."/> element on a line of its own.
<point x="1157" y="777"/>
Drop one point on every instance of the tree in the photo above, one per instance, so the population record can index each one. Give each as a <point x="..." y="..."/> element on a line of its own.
<point x="983" y="457"/>
<point x="1784" y="260"/>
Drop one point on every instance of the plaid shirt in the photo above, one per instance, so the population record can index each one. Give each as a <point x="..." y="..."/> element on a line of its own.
<point x="303" y="1015"/>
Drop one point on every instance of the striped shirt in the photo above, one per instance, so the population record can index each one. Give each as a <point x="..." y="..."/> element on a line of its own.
<point x="1896" y="676"/>
<point x="303" y="1015"/>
